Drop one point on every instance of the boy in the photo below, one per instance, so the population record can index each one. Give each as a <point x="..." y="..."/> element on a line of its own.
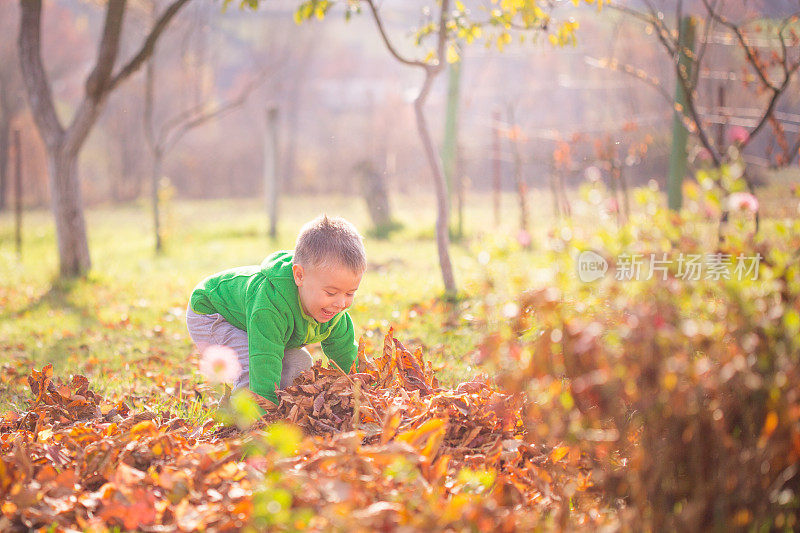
<point x="267" y="313"/>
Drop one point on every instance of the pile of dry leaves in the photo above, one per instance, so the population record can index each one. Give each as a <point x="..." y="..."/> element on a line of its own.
<point x="386" y="448"/>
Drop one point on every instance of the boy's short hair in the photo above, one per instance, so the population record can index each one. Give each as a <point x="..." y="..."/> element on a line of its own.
<point x="330" y="241"/>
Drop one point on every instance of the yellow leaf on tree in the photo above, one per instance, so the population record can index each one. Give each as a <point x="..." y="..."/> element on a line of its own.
<point x="452" y="54"/>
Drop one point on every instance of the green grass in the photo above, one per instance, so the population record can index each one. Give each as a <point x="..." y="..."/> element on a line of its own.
<point x="123" y="325"/>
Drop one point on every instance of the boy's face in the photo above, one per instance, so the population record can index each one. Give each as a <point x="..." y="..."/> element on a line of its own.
<point x="326" y="290"/>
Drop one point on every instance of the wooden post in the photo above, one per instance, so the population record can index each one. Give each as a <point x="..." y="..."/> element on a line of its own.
<point x="155" y="179"/>
<point x="496" y="166"/>
<point x="18" y="193"/>
<point x="450" y="142"/>
<point x="271" y="188"/>
<point x="460" y="192"/>
<point x="519" y="179"/>
<point x="677" y="159"/>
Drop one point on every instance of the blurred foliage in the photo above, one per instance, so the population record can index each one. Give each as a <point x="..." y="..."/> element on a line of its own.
<point x="679" y="397"/>
<point x="497" y="24"/>
<point x="683" y="393"/>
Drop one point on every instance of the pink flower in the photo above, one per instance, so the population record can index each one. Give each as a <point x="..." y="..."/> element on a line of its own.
<point x="742" y="201"/>
<point x="738" y="135"/>
<point x="612" y="206"/>
<point x="219" y="364"/>
<point x="704" y="155"/>
<point x="524" y="238"/>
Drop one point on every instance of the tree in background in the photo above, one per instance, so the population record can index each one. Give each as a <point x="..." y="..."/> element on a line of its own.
<point x="767" y="64"/>
<point x="451" y="27"/>
<point x="63" y="144"/>
<point x="203" y="107"/>
<point x="11" y="101"/>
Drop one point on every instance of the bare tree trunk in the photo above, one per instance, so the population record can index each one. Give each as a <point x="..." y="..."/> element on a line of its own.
<point x="614" y="179"/>
<point x="18" y="193"/>
<point x="127" y="177"/>
<point x="156" y="153"/>
<point x="376" y="196"/>
<point x="290" y="157"/>
<point x="130" y="169"/>
<point x="67" y="206"/>
<point x="554" y="192"/>
<point x="563" y="199"/>
<point x="562" y="206"/>
<point x="64" y="145"/>
<point x="442" y="212"/>
<point x="460" y="192"/>
<point x="522" y="189"/>
<point x="271" y="170"/>
<point x="5" y="128"/>
<point x="623" y="184"/>
<point x="155" y="176"/>
<point x="496" y="166"/>
<point x="519" y="179"/>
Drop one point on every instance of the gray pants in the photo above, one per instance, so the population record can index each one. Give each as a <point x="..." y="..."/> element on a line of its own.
<point x="212" y="329"/>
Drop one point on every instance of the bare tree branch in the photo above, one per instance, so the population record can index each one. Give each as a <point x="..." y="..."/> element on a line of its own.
<point x="632" y="71"/>
<point x="179" y="118"/>
<point x="683" y="79"/>
<point x="793" y="153"/>
<point x="663" y="33"/>
<point x="97" y="82"/>
<point x="787" y="71"/>
<point x="777" y="90"/>
<point x="631" y="12"/>
<point x="149" y="44"/>
<point x="776" y="94"/>
<point x="40" y="95"/>
<point x="691" y="107"/>
<point x="174" y="134"/>
<point x="107" y="52"/>
<point x="387" y="42"/>
<point x="748" y="50"/>
<point x="708" y="22"/>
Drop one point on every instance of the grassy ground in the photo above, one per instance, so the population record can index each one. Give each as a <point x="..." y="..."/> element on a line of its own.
<point x="123" y="326"/>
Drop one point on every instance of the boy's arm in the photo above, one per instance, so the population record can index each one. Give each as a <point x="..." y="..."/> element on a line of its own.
<point x="341" y="346"/>
<point x="266" y="331"/>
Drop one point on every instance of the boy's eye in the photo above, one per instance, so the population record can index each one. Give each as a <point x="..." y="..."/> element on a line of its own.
<point x="330" y="293"/>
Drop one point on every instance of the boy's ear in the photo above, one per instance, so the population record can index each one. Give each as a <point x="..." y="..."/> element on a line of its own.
<point x="297" y="272"/>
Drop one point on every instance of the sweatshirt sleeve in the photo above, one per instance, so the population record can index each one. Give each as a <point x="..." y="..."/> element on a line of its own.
<point x="340" y="346"/>
<point x="266" y="334"/>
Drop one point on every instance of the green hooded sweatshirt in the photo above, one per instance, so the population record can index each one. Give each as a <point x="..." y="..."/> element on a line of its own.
<point x="263" y="301"/>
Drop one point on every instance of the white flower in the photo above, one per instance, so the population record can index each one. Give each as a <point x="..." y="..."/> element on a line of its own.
<point x="742" y="201"/>
<point x="219" y="364"/>
<point x="592" y="174"/>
